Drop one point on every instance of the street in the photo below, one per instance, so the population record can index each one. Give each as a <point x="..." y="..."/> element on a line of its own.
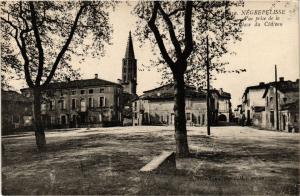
<point x="232" y="161"/>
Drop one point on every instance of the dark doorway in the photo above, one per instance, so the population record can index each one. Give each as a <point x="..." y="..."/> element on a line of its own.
<point x="272" y="118"/>
<point x="63" y="120"/>
<point x="248" y="116"/>
<point x="283" y="122"/>
<point x="222" y="117"/>
<point x="82" y="117"/>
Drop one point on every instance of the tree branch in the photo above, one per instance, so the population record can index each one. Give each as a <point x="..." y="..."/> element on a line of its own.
<point x="175" y="11"/>
<point x="188" y="30"/>
<point x="38" y="43"/>
<point x="65" y="47"/>
<point x="158" y="38"/>
<point x="22" y="47"/>
<point x="171" y="31"/>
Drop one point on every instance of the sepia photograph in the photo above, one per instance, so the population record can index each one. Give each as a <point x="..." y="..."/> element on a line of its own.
<point x="150" y="97"/>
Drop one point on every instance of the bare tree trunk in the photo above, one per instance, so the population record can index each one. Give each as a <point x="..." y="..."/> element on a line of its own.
<point x="39" y="127"/>
<point x="182" y="149"/>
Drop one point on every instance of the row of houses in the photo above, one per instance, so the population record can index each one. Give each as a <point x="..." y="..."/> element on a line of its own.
<point x="78" y="103"/>
<point x="260" y="108"/>
<point x="156" y="106"/>
<point x="96" y="102"/>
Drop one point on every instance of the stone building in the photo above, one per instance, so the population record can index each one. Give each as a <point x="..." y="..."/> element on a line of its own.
<point x="288" y="106"/>
<point x="253" y="103"/>
<point x="259" y="105"/>
<point x="155" y="107"/>
<point x="16" y="111"/>
<point x="93" y="102"/>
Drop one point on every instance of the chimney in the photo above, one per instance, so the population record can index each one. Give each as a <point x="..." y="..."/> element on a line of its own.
<point x="96" y="76"/>
<point x="281" y="79"/>
<point x="297" y="80"/>
<point x="119" y="81"/>
<point x="261" y="83"/>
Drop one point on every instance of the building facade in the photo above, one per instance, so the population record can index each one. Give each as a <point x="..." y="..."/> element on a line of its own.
<point x="253" y="103"/>
<point x="91" y="102"/>
<point x="259" y="106"/>
<point x="156" y="106"/>
<point x="16" y="111"/>
<point x="288" y="106"/>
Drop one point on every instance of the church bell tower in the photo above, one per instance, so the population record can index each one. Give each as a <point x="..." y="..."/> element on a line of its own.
<point x="129" y="69"/>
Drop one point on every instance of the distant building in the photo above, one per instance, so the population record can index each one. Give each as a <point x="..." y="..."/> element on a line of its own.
<point x="81" y="103"/>
<point x="156" y="106"/>
<point x="288" y="105"/>
<point x="259" y="105"/>
<point x="16" y="111"/>
<point x="91" y="102"/>
<point x="253" y="102"/>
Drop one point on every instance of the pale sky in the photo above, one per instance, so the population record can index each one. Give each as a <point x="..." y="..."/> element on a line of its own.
<point x="260" y="49"/>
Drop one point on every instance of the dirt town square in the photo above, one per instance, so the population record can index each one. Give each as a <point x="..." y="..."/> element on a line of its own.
<point x="150" y="97"/>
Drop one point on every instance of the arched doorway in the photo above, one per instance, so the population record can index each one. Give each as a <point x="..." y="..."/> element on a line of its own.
<point x="222" y="117"/>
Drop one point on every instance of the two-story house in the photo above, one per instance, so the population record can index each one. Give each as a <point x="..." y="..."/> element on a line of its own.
<point x="90" y="102"/>
<point x="288" y="105"/>
<point x="253" y="103"/>
<point x="156" y="106"/>
<point x="16" y="111"/>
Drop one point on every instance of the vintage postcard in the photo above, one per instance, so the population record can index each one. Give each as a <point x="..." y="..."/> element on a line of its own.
<point x="150" y="97"/>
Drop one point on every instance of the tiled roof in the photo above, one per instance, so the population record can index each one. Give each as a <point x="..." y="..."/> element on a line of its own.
<point x="13" y="96"/>
<point x="167" y="92"/>
<point x="80" y="84"/>
<point x="283" y="86"/>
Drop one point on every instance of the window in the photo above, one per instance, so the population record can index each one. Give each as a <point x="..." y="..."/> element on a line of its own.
<point x="188" y="116"/>
<point x="52" y="105"/>
<point x="91" y="91"/>
<point x="43" y="107"/>
<point x="82" y="105"/>
<point x="271" y="100"/>
<point x="82" y="92"/>
<point x="62" y="104"/>
<point x="52" y="120"/>
<point x="135" y="105"/>
<point x="73" y="92"/>
<point x="91" y="102"/>
<point x="267" y="101"/>
<point x="101" y="90"/>
<point x="118" y="101"/>
<point x="135" y="115"/>
<point x="284" y="100"/>
<point x="73" y="104"/>
<point x="101" y="101"/>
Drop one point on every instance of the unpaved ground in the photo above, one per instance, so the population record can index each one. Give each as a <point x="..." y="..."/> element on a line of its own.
<point x="232" y="161"/>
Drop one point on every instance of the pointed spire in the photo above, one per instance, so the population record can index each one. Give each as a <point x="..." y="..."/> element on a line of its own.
<point x="129" y="49"/>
